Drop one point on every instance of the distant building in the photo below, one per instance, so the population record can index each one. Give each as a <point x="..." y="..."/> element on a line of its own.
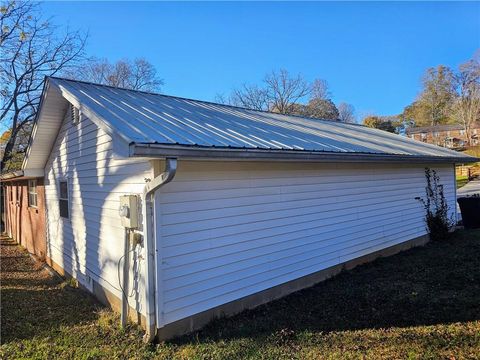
<point x="449" y="136"/>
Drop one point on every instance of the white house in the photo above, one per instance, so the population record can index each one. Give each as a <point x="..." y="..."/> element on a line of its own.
<point x="235" y="207"/>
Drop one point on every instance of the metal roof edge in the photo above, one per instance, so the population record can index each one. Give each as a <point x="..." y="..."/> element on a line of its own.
<point x="190" y="152"/>
<point x="98" y="120"/>
<point x="31" y="138"/>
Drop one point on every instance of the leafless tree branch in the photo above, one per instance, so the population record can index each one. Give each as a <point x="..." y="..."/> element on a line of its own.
<point x="31" y="50"/>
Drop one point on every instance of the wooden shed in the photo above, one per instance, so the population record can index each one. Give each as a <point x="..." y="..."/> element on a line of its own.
<point x="225" y="208"/>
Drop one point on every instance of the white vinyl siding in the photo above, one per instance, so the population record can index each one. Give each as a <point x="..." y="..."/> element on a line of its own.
<point x="89" y="244"/>
<point x="228" y="230"/>
<point x="224" y="230"/>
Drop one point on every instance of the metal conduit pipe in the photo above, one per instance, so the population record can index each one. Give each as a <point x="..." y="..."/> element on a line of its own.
<point x="124" y="283"/>
<point x="149" y="243"/>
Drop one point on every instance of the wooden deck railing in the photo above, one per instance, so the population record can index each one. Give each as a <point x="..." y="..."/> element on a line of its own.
<point x="471" y="172"/>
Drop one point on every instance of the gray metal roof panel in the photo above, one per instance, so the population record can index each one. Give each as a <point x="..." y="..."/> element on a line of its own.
<point x="143" y="117"/>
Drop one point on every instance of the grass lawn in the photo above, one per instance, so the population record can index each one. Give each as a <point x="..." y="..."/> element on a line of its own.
<point x="461" y="181"/>
<point x="423" y="303"/>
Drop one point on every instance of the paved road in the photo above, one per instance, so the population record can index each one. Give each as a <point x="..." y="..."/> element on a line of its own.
<point x="472" y="187"/>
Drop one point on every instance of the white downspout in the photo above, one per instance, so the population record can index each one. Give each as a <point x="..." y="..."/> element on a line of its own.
<point x="149" y="244"/>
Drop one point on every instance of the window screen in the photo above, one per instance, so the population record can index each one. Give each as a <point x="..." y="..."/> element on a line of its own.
<point x="32" y="193"/>
<point x="63" y="199"/>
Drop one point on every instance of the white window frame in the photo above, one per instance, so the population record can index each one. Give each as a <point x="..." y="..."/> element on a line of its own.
<point x="32" y="184"/>
<point x="67" y="199"/>
<point x="18" y="194"/>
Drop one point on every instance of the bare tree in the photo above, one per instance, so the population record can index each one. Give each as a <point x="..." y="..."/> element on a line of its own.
<point x="31" y="50"/>
<point x="93" y="70"/>
<point x="346" y="113"/>
<point x="466" y="107"/>
<point x="221" y="98"/>
<point x="279" y="92"/>
<point x="286" y="94"/>
<point x="250" y="97"/>
<point x="138" y="74"/>
<point x="283" y="90"/>
<point x="320" y="90"/>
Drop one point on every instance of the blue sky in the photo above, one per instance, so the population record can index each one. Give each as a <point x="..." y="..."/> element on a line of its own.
<point x="372" y="54"/>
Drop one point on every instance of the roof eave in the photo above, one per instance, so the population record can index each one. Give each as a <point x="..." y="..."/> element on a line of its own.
<point x="11" y="175"/>
<point x="152" y="150"/>
<point x="22" y="174"/>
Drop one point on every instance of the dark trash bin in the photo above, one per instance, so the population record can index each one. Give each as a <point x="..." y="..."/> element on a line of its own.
<point x="470" y="208"/>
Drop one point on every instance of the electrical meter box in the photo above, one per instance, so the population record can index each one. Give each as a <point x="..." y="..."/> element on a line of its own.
<point x="129" y="211"/>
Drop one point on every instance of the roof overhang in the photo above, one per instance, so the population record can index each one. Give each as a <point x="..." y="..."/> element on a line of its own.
<point x="149" y="150"/>
<point x="47" y="123"/>
<point x="50" y="116"/>
<point x="22" y="174"/>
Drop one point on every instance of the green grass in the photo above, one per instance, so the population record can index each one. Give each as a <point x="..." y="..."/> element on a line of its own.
<point x="462" y="181"/>
<point x="421" y="304"/>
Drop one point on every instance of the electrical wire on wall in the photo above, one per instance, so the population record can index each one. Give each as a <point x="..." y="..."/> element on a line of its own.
<point x="118" y="274"/>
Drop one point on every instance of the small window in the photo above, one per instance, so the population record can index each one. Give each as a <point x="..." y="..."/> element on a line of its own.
<point x="32" y="193"/>
<point x="63" y="199"/>
<point x="10" y="193"/>
<point x="17" y="196"/>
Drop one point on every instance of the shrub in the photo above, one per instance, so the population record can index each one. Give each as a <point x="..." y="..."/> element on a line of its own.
<point x="436" y="207"/>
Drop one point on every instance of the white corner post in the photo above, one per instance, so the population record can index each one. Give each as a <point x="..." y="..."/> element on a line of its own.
<point x="149" y="241"/>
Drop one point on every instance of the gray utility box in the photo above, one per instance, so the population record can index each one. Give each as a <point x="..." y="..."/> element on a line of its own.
<point x="129" y="211"/>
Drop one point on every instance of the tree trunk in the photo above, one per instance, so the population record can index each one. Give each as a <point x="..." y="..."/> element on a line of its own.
<point x="7" y="155"/>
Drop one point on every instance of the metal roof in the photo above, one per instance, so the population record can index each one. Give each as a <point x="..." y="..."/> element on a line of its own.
<point x="169" y="124"/>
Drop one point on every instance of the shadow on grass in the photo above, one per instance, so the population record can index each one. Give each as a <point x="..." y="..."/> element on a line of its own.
<point x="33" y="302"/>
<point x="435" y="284"/>
<point x="41" y="312"/>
